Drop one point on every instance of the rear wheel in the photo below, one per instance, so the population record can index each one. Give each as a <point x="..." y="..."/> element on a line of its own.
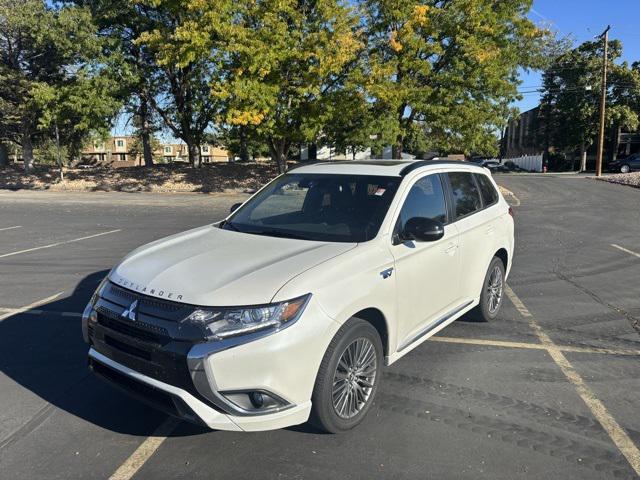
<point x="492" y="291"/>
<point x="348" y="377"/>
<point x="625" y="169"/>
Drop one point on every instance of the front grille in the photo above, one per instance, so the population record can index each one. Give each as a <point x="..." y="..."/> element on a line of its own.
<point x="124" y="347"/>
<point x="141" y="330"/>
<point x="155" y="343"/>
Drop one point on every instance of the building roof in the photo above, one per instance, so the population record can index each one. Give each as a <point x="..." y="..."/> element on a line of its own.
<point x="381" y="167"/>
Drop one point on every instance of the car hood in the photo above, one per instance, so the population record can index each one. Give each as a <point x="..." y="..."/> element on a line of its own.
<point x="215" y="267"/>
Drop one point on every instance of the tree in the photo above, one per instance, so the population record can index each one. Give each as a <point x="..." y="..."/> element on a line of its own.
<point x="49" y="75"/>
<point x="447" y="69"/>
<point x="121" y="22"/>
<point x="571" y="93"/>
<point x="279" y="63"/>
<point x="181" y="80"/>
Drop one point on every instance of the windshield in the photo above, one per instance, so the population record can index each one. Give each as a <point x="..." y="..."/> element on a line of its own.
<point x="335" y="208"/>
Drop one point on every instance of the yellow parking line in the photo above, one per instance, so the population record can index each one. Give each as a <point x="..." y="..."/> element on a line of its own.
<point x="138" y="458"/>
<point x="30" y="306"/>
<point x="534" y="346"/>
<point x="626" y="250"/>
<point x="617" y="434"/>
<point x="58" y="243"/>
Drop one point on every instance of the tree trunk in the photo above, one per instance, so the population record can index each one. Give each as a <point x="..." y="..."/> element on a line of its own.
<point x="27" y="152"/>
<point x="278" y="150"/>
<point x="147" y="153"/>
<point x="194" y="154"/>
<point x="583" y="158"/>
<point x="244" y="151"/>
<point x="396" y="150"/>
<point x="4" y="155"/>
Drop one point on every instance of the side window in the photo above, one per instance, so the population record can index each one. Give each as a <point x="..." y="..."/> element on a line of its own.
<point x="466" y="197"/>
<point x="489" y="194"/>
<point x="425" y="199"/>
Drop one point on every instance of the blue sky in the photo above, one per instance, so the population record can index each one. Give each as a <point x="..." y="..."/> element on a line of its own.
<point x="582" y="20"/>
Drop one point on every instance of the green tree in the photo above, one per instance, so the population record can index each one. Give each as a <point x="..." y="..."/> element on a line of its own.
<point x="181" y="79"/>
<point x="50" y="75"/>
<point x="570" y="105"/>
<point x="279" y="63"/>
<point x="121" y="22"/>
<point x="446" y="70"/>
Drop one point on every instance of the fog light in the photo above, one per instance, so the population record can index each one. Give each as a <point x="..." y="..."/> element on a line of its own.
<point x="257" y="400"/>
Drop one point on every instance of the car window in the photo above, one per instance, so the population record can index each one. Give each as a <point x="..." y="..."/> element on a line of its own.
<point x="323" y="207"/>
<point x="466" y="196"/>
<point x="425" y="199"/>
<point x="489" y="194"/>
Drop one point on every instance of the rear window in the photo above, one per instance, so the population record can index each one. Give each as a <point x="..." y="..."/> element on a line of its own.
<point x="489" y="194"/>
<point x="466" y="196"/>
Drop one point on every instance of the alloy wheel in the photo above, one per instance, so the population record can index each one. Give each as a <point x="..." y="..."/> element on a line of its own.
<point x="354" y="378"/>
<point x="494" y="289"/>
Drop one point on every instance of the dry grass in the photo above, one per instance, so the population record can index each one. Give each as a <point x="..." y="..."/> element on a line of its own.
<point x="220" y="177"/>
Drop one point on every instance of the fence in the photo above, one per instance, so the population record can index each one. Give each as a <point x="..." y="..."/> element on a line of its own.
<point x="531" y="163"/>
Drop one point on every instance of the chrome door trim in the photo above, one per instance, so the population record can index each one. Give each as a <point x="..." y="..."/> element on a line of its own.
<point x="432" y="325"/>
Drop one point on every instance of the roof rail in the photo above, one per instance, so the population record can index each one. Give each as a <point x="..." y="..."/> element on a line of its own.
<point x="423" y="163"/>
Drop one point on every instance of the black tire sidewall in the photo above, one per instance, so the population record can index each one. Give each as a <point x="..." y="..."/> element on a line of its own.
<point x="486" y="315"/>
<point x="323" y="415"/>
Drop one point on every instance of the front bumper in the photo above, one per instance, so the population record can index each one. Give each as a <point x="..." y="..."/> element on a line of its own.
<point x="197" y="381"/>
<point x="181" y="404"/>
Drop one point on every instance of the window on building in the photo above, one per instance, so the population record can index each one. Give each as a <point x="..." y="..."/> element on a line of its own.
<point x="167" y="149"/>
<point x="465" y="193"/>
<point x="120" y="143"/>
<point x="205" y="149"/>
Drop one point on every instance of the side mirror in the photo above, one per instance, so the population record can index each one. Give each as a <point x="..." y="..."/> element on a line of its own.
<point x="234" y="207"/>
<point x="422" y="229"/>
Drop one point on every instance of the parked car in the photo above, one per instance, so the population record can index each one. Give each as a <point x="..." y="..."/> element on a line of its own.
<point x="626" y="165"/>
<point x="289" y="308"/>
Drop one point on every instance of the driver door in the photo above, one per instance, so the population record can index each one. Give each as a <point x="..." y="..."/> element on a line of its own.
<point x="427" y="273"/>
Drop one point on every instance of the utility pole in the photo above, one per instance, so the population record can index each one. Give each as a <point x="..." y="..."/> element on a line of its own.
<point x="603" y="99"/>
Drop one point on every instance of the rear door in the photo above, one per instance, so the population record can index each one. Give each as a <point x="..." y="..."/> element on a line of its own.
<point x="476" y="229"/>
<point x="426" y="272"/>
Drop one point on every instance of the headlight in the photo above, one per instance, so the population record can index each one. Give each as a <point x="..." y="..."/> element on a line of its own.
<point x="221" y="323"/>
<point x="89" y="314"/>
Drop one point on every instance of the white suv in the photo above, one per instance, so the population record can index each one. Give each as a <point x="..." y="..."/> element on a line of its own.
<point x="287" y="310"/>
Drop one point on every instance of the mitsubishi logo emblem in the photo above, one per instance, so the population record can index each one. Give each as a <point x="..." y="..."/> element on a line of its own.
<point x="131" y="312"/>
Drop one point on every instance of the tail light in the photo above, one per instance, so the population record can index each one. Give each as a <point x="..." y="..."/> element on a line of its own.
<point x="511" y="212"/>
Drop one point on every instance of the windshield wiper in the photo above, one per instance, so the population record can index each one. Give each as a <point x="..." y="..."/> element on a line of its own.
<point x="227" y="223"/>
<point x="279" y="233"/>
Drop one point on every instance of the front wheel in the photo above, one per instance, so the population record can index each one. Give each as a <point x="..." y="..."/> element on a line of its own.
<point x="625" y="169"/>
<point x="492" y="291"/>
<point x="348" y="377"/>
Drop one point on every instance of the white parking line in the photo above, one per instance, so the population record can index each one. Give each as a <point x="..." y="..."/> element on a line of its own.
<point x="630" y="252"/>
<point x="10" y="228"/>
<point x="138" y="458"/>
<point x="58" y="243"/>
<point x="617" y="434"/>
<point x="30" y="306"/>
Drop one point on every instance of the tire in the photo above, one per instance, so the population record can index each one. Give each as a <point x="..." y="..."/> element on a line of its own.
<point x="489" y="306"/>
<point x="625" y="169"/>
<point x="345" y="414"/>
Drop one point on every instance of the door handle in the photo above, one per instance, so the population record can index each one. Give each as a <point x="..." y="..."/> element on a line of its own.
<point x="490" y="230"/>
<point x="451" y="249"/>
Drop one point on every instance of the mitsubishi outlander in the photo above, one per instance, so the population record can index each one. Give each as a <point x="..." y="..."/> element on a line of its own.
<point x="287" y="310"/>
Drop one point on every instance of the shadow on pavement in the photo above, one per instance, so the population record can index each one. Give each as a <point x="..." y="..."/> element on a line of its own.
<point x="45" y="354"/>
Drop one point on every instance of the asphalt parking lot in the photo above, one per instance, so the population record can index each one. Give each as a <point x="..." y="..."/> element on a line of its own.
<point x="551" y="389"/>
